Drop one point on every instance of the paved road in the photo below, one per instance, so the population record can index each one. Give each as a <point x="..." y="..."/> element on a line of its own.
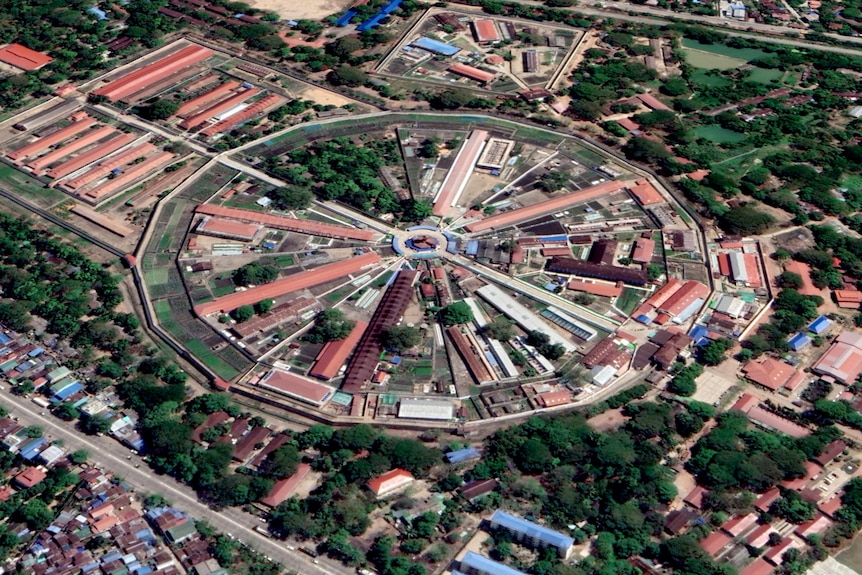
<point x="110" y="455"/>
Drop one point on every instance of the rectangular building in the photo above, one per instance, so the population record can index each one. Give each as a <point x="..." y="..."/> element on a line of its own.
<point x="571" y="266"/>
<point x="335" y="353"/>
<point x="485" y="31"/>
<point x="23" y="57"/>
<point x="436" y="47"/>
<point x="475" y="564"/>
<point x="228" y="229"/>
<point x="438" y="409"/>
<point x="526" y="319"/>
<point x="532" y="534"/>
<point x="458" y="175"/>
<point x="530" y="61"/>
<point x="296" y="387"/>
<point x="843" y="360"/>
<point x="472" y="72"/>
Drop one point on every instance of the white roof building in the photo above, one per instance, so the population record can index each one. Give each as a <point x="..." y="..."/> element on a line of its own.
<point x="602" y="374"/>
<point x="437" y="409"/>
<point x="51" y="454"/>
<point x="525" y="318"/>
<point x="737" y="267"/>
<point x="730" y="305"/>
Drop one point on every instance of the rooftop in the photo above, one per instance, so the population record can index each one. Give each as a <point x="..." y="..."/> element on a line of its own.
<point x="23" y="57"/>
<point x="297" y="387"/>
<point x="843" y="360"/>
<point x="532" y="530"/>
<point x="769" y="372"/>
<point x="473" y="561"/>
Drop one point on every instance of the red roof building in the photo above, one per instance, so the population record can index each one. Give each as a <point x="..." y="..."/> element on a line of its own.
<point x="30" y="477"/>
<point x="831" y="451"/>
<point x="740" y="524"/>
<point x="485" y="31"/>
<point x="546" y="207"/>
<point x="843" y="360"/>
<point x="799" y="483"/>
<point x="770" y="373"/>
<point x="456" y="178"/>
<point x="472" y="72"/>
<point x="814" y="527"/>
<point x="745" y="402"/>
<point x="652" y="102"/>
<point x="249" y="441"/>
<point x="552" y="398"/>
<point x="758" y="567"/>
<point x="682" y="298"/>
<point x="229" y="229"/>
<point x="766" y="499"/>
<point x="643" y="250"/>
<point x="760" y="536"/>
<point x="284" y="286"/>
<point x="804" y="271"/>
<point x="645" y="193"/>
<point x="715" y="542"/>
<point x="661" y="295"/>
<point x="695" y="497"/>
<point x="23" y="57"/>
<point x="334" y="354"/>
<point x="284" y="488"/>
<point x="390" y="482"/>
<point x="830" y="506"/>
<point x="296" y="387"/>
<point x="848" y="299"/>
<point x="162" y="68"/>
<point x="772" y="421"/>
<point x="309" y="227"/>
<point x="551" y="252"/>
<point x="773" y="554"/>
<point x="596" y="288"/>
<point x="190" y="106"/>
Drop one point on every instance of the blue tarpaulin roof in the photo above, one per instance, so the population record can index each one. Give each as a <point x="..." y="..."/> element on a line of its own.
<point x="69" y="391"/>
<point x="436" y="46"/>
<point x="820" y="324"/>
<point x="472" y="247"/>
<point x="798" y="341"/>
<point x="643" y="318"/>
<point x="531" y="530"/>
<point x="346" y="18"/>
<point x="465" y="454"/>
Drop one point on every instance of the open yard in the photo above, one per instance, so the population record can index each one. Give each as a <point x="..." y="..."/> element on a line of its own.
<point x="746" y="54"/>
<point x="719" y="135"/>
<point x="710" y="61"/>
<point x="765" y="75"/>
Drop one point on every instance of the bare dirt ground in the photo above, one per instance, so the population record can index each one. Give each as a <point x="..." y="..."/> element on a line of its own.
<point x="324" y="97"/>
<point x="607" y="421"/>
<point x="294" y="10"/>
<point x="684" y="482"/>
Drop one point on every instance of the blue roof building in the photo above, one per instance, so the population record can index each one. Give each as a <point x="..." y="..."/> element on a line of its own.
<point x="461" y="455"/>
<point x="475" y="564"/>
<point x="31" y="450"/>
<point x="346" y="18"/>
<point x="436" y="46"/>
<point x="819" y="325"/>
<point x="798" y="341"/>
<point x="68" y="391"/>
<point x="532" y="534"/>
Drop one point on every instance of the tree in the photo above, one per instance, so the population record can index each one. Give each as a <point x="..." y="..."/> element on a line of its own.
<point x="500" y="329"/>
<point x="281" y="462"/>
<point x="161" y="109"/>
<point x="400" y="337"/>
<point x="343" y="47"/>
<point x="95" y="425"/>
<point x="684" y="382"/>
<point x="451" y="99"/>
<point x="553" y="180"/>
<point x="715" y="351"/>
<point x="243" y="313"/>
<point x="15" y="315"/>
<point x="415" y="210"/>
<point x="290" y="197"/>
<point x="329" y="325"/>
<point x="33" y="431"/>
<point x="455" y="314"/>
<point x="792" y="508"/>
<point x="789" y="280"/>
<point x="347" y="76"/>
<point x="263" y="306"/>
<point x="645" y="150"/>
<point x="430" y="148"/>
<point x="36" y="514"/>
<point x="745" y="220"/>
<point x="80" y="456"/>
<point x="67" y="412"/>
<point x="585" y="110"/>
<point x="254" y="273"/>
<point x="654" y="271"/>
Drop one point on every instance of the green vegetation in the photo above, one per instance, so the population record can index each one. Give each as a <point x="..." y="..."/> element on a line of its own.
<point x="455" y="314"/>
<point x="399" y="338"/>
<point x="329" y="325"/>
<point x="255" y="273"/>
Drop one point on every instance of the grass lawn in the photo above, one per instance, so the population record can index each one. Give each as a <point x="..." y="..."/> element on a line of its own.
<point x="285" y="260"/>
<point x="701" y="76"/>
<point x="163" y="311"/>
<point x="719" y="135"/>
<point x="765" y="75"/>
<point x="628" y="300"/>
<point x="20" y="182"/>
<point x="156" y="276"/>
<point x="211" y="360"/>
<point x="852" y="182"/>
<point x="223" y="290"/>
<point x="746" y="54"/>
<point x="710" y="61"/>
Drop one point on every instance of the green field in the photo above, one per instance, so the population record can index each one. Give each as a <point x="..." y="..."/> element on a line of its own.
<point x="156" y="276"/>
<point x="163" y="311"/>
<point x="710" y="61"/>
<point x="746" y="54"/>
<point x="285" y="260"/>
<point x="628" y="300"/>
<point x="765" y="75"/>
<point x="214" y="362"/>
<point x="702" y="77"/>
<point x="23" y="183"/>
<point x="719" y="135"/>
<point x="852" y="182"/>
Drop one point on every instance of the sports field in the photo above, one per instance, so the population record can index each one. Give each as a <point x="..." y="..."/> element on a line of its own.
<point x="719" y="135"/>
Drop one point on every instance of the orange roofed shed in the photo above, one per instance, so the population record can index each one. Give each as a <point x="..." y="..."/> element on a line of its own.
<point x="23" y="57"/>
<point x="390" y="482"/>
<point x="289" y="284"/>
<point x="334" y="354"/>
